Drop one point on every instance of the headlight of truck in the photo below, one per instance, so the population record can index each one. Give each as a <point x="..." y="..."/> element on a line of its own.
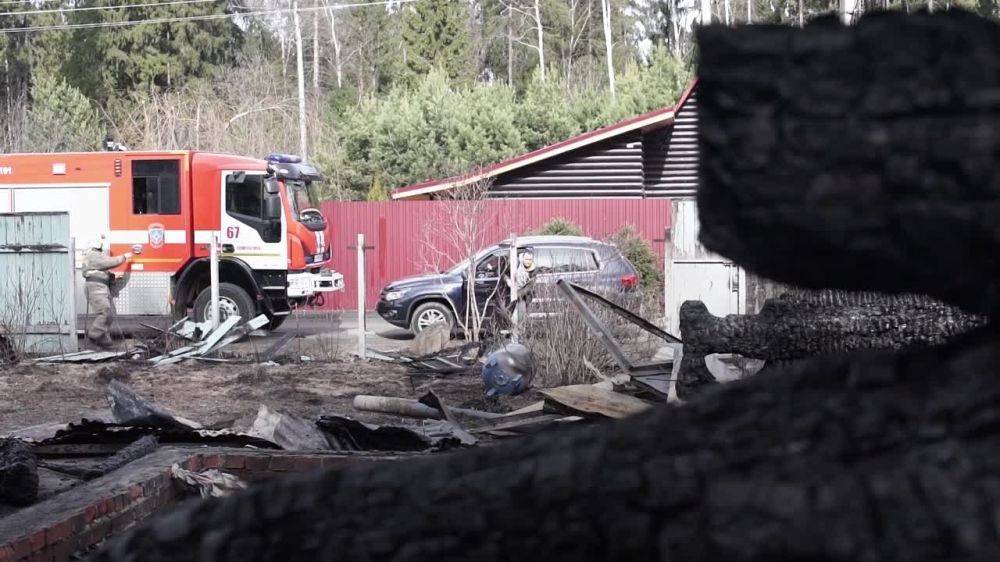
<point x="395" y="295"/>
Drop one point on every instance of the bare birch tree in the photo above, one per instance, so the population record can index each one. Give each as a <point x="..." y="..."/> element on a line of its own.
<point x="533" y="14"/>
<point x="338" y="64"/>
<point x="315" y="56"/>
<point x="460" y="228"/>
<point x="608" y="47"/>
<point x="580" y="13"/>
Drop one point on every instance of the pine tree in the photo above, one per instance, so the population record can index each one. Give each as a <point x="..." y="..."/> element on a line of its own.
<point x="436" y="34"/>
<point x="60" y="119"/>
<point x="118" y="60"/>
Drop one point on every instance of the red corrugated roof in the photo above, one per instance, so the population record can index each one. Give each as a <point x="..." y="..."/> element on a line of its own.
<point x="653" y="119"/>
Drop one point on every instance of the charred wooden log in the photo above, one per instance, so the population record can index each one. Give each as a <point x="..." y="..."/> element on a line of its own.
<point x="18" y="473"/>
<point x="859" y="158"/>
<point x="801" y="324"/>
<point x="131" y="452"/>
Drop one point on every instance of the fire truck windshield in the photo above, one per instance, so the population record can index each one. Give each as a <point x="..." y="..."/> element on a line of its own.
<point x="300" y="194"/>
<point x="304" y="206"/>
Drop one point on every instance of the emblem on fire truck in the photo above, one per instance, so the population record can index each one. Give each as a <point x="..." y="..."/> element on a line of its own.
<point x="156" y="235"/>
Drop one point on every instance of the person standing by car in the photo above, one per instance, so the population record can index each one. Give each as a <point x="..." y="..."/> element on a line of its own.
<point x="524" y="280"/>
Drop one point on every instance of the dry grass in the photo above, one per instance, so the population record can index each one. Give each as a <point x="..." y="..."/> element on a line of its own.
<point x="566" y="351"/>
<point x="328" y="346"/>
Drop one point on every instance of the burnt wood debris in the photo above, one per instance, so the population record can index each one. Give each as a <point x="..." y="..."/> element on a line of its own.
<point x="851" y="158"/>
<point x="18" y="473"/>
<point x="803" y="323"/>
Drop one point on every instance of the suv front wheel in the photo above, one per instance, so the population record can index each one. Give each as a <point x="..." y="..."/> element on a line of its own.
<point x="430" y="313"/>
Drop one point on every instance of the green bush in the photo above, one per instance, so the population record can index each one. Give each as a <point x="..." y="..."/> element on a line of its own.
<point x="637" y="250"/>
<point x="559" y="226"/>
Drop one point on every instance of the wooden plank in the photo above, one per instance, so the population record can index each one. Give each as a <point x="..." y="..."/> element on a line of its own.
<point x="523" y="420"/>
<point x="590" y="400"/>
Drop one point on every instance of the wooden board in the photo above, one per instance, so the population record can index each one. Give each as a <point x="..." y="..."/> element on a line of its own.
<point x="590" y="400"/>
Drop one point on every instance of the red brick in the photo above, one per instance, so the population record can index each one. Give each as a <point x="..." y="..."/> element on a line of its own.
<point x="37" y="541"/>
<point x="307" y="463"/>
<point x="336" y="462"/>
<point x="97" y="533"/>
<point x="213" y="461"/>
<point x="58" y="532"/>
<point x="256" y="463"/>
<point x="90" y="513"/>
<point x="22" y="548"/>
<point x="60" y="551"/>
<point x="109" y="506"/>
<point x="233" y="461"/>
<point x="194" y="462"/>
<point x="281" y="463"/>
<point x="6" y="553"/>
<point x="135" y="491"/>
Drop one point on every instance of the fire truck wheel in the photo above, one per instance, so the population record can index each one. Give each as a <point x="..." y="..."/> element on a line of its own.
<point x="232" y="300"/>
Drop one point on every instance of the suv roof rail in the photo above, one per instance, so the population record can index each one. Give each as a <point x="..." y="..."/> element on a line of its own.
<point x="551" y="239"/>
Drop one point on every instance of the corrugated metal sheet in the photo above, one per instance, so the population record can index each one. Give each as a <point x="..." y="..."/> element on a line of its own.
<point x="612" y="168"/>
<point x="401" y="232"/>
<point x="36" y="282"/>
<point x="670" y="157"/>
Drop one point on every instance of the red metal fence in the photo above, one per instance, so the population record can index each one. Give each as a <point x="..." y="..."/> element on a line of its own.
<point x="399" y="233"/>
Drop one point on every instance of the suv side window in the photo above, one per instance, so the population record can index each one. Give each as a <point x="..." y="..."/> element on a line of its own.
<point x="491" y="266"/>
<point x="566" y="260"/>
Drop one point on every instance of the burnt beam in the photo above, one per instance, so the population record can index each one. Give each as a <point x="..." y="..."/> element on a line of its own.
<point x="858" y="158"/>
<point x="801" y="324"/>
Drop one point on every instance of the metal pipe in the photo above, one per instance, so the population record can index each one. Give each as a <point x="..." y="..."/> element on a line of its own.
<point x="362" y="287"/>
<point x="596" y="325"/>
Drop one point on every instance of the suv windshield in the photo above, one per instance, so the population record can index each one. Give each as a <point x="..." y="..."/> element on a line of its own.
<point x="300" y="194"/>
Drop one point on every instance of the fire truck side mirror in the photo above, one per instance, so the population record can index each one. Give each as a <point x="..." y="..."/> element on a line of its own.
<point x="272" y="207"/>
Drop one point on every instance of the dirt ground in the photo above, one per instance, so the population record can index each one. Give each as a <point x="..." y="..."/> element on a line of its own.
<point x="224" y="395"/>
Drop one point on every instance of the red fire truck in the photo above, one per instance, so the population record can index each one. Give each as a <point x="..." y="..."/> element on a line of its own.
<point x="169" y="204"/>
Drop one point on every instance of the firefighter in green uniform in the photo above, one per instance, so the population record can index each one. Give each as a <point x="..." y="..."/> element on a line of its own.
<point x="100" y="288"/>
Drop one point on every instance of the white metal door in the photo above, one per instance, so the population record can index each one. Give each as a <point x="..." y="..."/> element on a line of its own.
<point x="714" y="283"/>
<point x="6" y="201"/>
<point x="694" y="273"/>
<point x="246" y="242"/>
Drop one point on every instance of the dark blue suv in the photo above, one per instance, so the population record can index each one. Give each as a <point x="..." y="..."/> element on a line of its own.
<point x="418" y="302"/>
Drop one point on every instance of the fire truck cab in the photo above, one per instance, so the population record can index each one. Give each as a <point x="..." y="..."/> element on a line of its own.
<point x="167" y="205"/>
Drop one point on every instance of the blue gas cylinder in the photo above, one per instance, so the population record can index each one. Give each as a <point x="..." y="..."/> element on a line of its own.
<point x="507" y="370"/>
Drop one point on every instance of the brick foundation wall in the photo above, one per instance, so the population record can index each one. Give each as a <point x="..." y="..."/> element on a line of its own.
<point x="79" y="519"/>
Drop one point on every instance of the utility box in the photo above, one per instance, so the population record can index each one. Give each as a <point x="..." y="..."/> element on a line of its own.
<point x="37" y="283"/>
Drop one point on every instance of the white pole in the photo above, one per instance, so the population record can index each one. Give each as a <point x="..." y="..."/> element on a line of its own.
<point x="668" y="254"/>
<point x="73" y="344"/>
<point x="511" y="272"/>
<point x="361" y="288"/>
<point x="214" y="279"/>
